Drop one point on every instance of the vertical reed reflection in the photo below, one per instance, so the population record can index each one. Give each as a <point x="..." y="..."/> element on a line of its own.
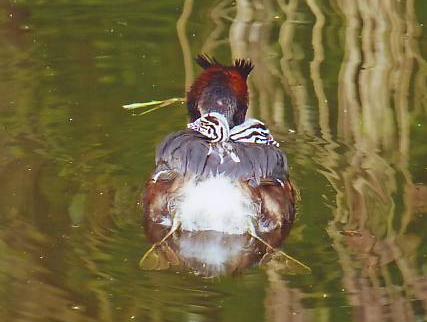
<point x="183" y="40"/>
<point x="376" y="79"/>
<point x="364" y="114"/>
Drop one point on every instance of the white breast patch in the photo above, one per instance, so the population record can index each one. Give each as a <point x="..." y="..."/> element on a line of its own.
<point x="218" y="204"/>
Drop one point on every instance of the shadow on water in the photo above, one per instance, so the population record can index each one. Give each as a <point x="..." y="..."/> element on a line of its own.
<point x="343" y="86"/>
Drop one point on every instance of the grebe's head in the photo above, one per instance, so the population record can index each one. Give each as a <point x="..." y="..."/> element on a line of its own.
<point x="220" y="89"/>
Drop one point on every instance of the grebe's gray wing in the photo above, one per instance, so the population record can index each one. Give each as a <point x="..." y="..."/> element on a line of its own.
<point x="188" y="153"/>
<point x="184" y="152"/>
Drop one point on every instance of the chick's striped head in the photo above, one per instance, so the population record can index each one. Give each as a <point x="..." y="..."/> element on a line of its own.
<point x="213" y="126"/>
<point x="252" y="131"/>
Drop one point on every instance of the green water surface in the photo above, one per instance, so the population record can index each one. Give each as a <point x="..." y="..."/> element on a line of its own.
<point x="342" y="85"/>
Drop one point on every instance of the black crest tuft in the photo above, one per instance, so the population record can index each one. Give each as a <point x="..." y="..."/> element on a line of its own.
<point x="206" y="61"/>
<point x="243" y="66"/>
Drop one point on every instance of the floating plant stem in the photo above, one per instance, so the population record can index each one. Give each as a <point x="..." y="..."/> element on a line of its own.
<point x="150" y="110"/>
<point x="155" y="105"/>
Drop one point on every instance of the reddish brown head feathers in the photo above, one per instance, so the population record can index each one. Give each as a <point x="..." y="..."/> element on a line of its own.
<point x="220" y="89"/>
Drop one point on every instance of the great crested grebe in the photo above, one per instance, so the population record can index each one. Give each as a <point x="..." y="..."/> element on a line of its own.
<point x="223" y="173"/>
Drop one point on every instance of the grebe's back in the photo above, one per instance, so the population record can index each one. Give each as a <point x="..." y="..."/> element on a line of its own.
<point x="224" y="173"/>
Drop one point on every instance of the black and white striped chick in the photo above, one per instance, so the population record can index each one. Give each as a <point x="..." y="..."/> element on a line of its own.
<point x="252" y="131"/>
<point x="215" y="128"/>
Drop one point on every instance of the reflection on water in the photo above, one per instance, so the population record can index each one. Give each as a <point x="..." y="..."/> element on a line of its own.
<point x="348" y="77"/>
<point x="214" y="254"/>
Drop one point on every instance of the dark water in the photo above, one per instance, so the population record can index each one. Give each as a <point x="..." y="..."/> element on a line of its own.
<point x="343" y="86"/>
